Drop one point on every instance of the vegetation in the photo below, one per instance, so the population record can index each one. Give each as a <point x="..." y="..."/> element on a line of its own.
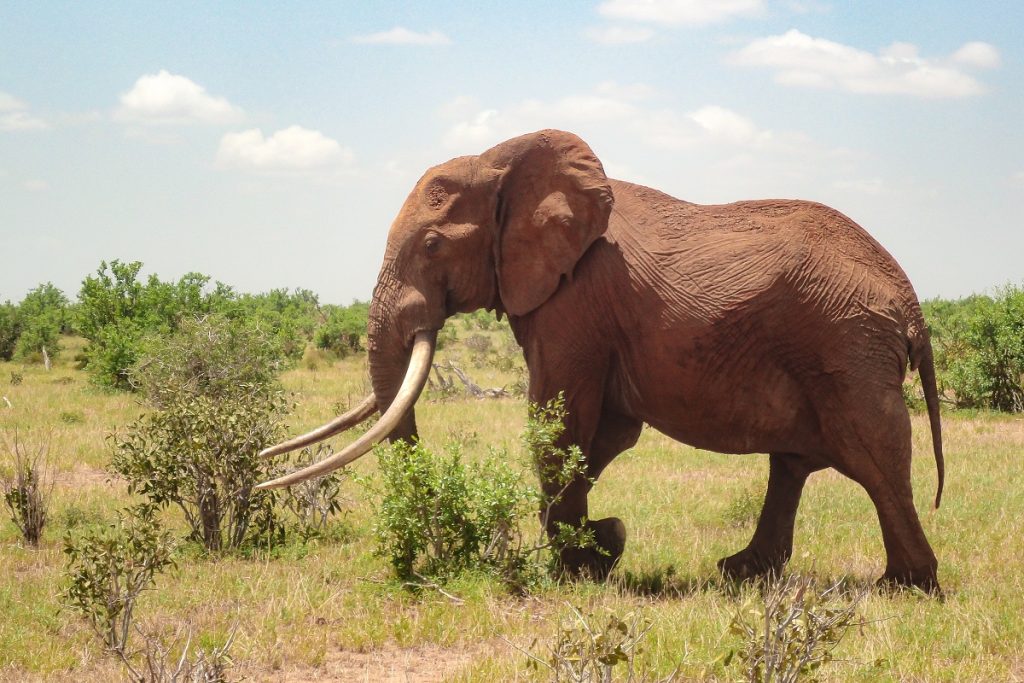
<point x="26" y="492"/>
<point x="109" y="566"/>
<point x="324" y="603"/>
<point x="979" y="349"/>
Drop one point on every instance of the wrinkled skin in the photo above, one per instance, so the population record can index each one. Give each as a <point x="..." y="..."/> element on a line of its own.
<point x="775" y="327"/>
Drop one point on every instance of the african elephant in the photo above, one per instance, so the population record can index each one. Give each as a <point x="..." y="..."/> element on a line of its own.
<point x="773" y="326"/>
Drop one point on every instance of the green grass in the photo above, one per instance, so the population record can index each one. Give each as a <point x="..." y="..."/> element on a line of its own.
<point x="329" y="608"/>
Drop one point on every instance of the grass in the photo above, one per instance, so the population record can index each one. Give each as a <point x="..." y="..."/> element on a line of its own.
<point x="328" y="608"/>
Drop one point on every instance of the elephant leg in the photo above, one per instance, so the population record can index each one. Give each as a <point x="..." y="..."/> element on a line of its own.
<point x="614" y="434"/>
<point x="875" y="451"/>
<point x="772" y="543"/>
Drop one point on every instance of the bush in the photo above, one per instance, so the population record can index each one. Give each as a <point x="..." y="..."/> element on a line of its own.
<point x="979" y="349"/>
<point x="44" y="316"/>
<point x="313" y="502"/>
<point x="343" y="329"/>
<point x="109" y="566"/>
<point x="791" y="629"/>
<point x="27" y="490"/>
<point x="588" y="649"/>
<point x="216" y="404"/>
<point x="10" y="329"/>
<point x="437" y="518"/>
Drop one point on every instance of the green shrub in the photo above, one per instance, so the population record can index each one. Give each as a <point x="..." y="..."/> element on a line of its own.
<point x="438" y="517"/>
<point x="343" y="329"/>
<point x="215" y="404"/>
<point x="10" y="329"/>
<point x="109" y="566"/>
<point x="979" y="349"/>
<point x="37" y="322"/>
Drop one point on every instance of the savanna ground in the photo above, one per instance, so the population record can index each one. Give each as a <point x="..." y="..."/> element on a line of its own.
<point x="329" y="610"/>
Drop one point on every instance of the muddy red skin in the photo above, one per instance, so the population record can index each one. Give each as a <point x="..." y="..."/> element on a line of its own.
<point x="774" y="326"/>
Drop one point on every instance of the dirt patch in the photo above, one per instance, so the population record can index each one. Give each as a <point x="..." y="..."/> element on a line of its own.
<point x="388" y="664"/>
<point x="83" y="476"/>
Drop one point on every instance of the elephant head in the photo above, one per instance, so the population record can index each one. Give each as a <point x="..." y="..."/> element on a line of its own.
<point x="496" y="231"/>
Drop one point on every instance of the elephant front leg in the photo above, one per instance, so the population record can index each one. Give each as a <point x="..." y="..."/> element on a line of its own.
<point x="772" y="544"/>
<point x="564" y="517"/>
<point x="567" y="504"/>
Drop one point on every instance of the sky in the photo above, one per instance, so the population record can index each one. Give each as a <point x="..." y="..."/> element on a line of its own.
<point x="271" y="145"/>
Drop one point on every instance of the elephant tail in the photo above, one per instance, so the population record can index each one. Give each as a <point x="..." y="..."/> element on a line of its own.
<point x="926" y="367"/>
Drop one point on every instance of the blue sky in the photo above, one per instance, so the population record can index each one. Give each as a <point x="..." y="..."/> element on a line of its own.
<point x="272" y="145"/>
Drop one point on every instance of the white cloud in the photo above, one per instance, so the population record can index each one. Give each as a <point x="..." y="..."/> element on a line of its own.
<point x="618" y="35"/>
<point x="14" y="115"/>
<point x="800" y="60"/>
<point x="727" y="125"/>
<point x="291" y="149"/>
<point x="403" y="36"/>
<point x="681" y="12"/>
<point x="36" y="185"/>
<point x="611" y="107"/>
<point x="977" y="54"/>
<point x="169" y="98"/>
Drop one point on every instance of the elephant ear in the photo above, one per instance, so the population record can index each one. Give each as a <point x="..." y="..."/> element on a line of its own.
<point x="553" y="202"/>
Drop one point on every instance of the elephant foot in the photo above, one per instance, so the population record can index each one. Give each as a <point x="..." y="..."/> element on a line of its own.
<point x="610" y="534"/>
<point x="923" y="579"/>
<point x="750" y="564"/>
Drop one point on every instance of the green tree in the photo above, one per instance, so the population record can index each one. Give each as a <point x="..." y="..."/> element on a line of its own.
<point x="10" y="329"/>
<point x="43" y="315"/>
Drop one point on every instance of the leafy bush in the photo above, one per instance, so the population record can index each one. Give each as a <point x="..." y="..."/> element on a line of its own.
<point x="791" y="629"/>
<point x="979" y="349"/>
<point x="343" y="329"/>
<point x="27" y="490"/>
<point x="216" y="404"/>
<point x="10" y="329"/>
<point x="36" y="322"/>
<point x="437" y="518"/>
<point x="109" y="566"/>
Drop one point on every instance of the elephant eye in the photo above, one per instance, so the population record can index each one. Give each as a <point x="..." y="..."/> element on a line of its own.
<point x="432" y="244"/>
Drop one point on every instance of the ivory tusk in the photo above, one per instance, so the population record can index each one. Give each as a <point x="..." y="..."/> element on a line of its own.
<point x="412" y="385"/>
<point x="335" y="426"/>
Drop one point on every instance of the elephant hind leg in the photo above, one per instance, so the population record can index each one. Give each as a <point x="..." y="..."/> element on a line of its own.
<point x="772" y="543"/>
<point x="874" y="449"/>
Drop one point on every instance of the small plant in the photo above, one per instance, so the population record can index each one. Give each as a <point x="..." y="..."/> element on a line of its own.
<point x="17" y="378"/>
<point x="202" y="666"/>
<point x="109" y="566"/>
<point x="589" y="649"/>
<point x="70" y="417"/>
<point x="791" y="630"/>
<point x="313" y="502"/>
<point x="27" y="490"/>
<point x="744" y="509"/>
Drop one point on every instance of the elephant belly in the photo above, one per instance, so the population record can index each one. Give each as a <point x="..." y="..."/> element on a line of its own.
<point x="742" y="404"/>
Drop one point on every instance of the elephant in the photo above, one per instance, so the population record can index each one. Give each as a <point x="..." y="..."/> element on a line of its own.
<point x="772" y="326"/>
